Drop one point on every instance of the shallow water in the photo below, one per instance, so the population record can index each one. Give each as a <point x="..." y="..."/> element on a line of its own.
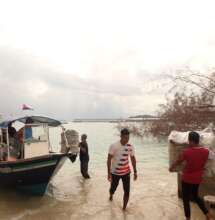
<point x="69" y="196"/>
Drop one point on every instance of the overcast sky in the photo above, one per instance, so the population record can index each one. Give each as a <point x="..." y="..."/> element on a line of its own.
<point x="86" y="59"/>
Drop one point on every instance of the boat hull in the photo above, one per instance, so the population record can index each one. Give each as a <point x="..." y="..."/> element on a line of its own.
<point x="31" y="175"/>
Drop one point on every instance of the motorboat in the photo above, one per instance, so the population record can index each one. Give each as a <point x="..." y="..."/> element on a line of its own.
<point x="27" y="159"/>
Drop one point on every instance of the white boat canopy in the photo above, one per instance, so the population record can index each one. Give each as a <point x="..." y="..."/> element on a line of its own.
<point x="35" y="120"/>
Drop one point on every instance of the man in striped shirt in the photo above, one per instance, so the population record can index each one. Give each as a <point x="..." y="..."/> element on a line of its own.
<point x="118" y="165"/>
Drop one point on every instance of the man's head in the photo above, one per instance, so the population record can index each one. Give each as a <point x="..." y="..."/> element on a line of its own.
<point x="124" y="134"/>
<point x="193" y="138"/>
<point x="83" y="137"/>
<point x="29" y="121"/>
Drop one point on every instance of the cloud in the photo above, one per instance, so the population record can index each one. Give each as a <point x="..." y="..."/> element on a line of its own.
<point x="28" y="79"/>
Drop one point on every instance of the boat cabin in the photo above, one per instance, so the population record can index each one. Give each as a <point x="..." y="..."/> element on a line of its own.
<point x="31" y="140"/>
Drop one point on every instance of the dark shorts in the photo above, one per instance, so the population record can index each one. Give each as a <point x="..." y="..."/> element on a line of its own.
<point x="125" y="182"/>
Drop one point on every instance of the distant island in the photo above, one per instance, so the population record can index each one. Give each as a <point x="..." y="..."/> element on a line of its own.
<point x="144" y="116"/>
<point x="137" y="118"/>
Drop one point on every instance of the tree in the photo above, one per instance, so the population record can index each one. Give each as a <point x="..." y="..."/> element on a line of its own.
<point x="187" y="110"/>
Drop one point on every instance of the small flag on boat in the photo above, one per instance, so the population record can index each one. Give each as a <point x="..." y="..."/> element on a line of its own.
<point x="26" y="107"/>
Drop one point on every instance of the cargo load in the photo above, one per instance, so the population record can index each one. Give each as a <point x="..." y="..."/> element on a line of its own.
<point x="70" y="141"/>
<point x="207" y="140"/>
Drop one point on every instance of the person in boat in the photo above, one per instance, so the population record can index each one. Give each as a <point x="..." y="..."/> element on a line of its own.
<point x="14" y="145"/>
<point x="195" y="158"/>
<point x="11" y="131"/>
<point x="84" y="156"/>
<point x="118" y="165"/>
<point x="4" y="135"/>
<point x="25" y="132"/>
<point x="3" y="148"/>
<point x="15" y="150"/>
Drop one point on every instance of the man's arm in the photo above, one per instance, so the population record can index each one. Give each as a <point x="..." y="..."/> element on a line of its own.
<point x="176" y="163"/>
<point x="20" y="134"/>
<point x="109" y="166"/>
<point x="133" y="161"/>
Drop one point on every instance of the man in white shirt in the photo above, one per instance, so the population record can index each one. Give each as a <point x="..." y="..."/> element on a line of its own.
<point x="118" y="165"/>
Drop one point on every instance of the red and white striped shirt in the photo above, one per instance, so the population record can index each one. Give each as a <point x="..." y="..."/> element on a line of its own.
<point x="120" y="161"/>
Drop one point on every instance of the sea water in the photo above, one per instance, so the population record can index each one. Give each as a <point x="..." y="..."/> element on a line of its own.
<point x="70" y="197"/>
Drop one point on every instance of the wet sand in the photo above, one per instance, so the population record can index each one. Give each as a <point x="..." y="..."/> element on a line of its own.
<point x="153" y="196"/>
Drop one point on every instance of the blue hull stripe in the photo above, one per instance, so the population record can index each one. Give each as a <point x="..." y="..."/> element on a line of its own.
<point x="28" y="167"/>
